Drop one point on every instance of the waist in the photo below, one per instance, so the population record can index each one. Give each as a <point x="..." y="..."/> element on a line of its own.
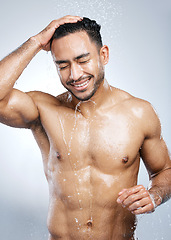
<point x="98" y="223"/>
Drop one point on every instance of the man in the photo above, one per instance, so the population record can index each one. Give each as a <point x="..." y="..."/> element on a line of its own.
<point x="91" y="137"/>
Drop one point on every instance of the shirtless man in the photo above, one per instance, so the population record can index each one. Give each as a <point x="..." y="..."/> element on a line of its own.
<point x="91" y="137"/>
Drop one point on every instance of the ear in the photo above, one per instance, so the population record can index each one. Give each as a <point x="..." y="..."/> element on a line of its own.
<point x="104" y="54"/>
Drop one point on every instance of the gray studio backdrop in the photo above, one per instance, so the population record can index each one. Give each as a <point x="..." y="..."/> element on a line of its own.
<point x="138" y="35"/>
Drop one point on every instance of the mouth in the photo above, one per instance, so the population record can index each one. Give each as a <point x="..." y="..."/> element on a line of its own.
<point x="82" y="84"/>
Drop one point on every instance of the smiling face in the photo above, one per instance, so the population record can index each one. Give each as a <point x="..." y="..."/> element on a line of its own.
<point x="79" y="64"/>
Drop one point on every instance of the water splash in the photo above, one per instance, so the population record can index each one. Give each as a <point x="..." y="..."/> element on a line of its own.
<point x="68" y="149"/>
<point x="74" y="166"/>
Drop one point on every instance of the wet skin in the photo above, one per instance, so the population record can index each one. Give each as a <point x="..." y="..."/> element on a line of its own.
<point x="85" y="151"/>
<point x="91" y="149"/>
<point x="94" y="146"/>
<point x="88" y="162"/>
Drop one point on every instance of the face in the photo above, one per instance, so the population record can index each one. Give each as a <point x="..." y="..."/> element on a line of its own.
<point x="79" y="64"/>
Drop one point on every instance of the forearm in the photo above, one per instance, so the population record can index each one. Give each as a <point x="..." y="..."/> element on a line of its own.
<point x="160" y="187"/>
<point x="12" y="66"/>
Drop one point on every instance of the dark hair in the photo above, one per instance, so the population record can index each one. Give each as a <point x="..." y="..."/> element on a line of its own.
<point x="87" y="25"/>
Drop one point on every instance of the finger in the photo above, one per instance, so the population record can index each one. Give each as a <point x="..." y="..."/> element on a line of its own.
<point x="125" y="194"/>
<point x="143" y="193"/>
<point x="71" y="16"/>
<point x="121" y="192"/>
<point x="139" y="204"/>
<point x="67" y="19"/>
<point x="145" y="209"/>
<point x="70" y="19"/>
<point x="46" y="34"/>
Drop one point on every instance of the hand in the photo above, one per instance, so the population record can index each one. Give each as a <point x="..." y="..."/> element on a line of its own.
<point x="136" y="199"/>
<point x="43" y="38"/>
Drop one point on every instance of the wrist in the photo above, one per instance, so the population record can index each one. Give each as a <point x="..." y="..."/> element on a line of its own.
<point x="36" y="43"/>
<point x="155" y="198"/>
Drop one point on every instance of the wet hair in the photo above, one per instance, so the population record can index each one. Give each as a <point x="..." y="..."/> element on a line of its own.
<point x="87" y="25"/>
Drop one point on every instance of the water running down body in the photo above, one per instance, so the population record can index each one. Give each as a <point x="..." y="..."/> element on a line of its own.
<point x="91" y="138"/>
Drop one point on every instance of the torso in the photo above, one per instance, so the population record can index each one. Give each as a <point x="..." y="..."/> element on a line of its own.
<point x="87" y="161"/>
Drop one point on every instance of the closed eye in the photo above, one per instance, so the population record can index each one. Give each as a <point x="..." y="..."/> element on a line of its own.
<point x="83" y="58"/>
<point x="62" y="67"/>
<point x="83" y="61"/>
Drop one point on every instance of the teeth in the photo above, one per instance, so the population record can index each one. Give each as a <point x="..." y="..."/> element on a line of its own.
<point x="82" y="84"/>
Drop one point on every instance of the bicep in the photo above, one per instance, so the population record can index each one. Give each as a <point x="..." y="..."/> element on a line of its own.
<point x="155" y="155"/>
<point x="18" y="110"/>
<point x="154" y="151"/>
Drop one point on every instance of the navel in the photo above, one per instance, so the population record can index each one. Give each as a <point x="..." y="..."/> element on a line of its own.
<point x="89" y="223"/>
<point x="125" y="159"/>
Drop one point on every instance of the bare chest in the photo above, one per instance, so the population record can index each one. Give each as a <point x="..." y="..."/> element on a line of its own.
<point x="106" y="142"/>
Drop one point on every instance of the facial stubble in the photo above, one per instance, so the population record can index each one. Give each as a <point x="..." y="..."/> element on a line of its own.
<point x="97" y="83"/>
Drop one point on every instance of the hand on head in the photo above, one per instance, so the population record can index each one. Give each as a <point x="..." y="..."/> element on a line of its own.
<point x="43" y="38"/>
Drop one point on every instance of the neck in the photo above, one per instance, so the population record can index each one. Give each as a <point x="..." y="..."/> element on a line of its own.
<point x="88" y="108"/>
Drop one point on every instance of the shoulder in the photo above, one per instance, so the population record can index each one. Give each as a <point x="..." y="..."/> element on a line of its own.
<point x="44" y="99"/>
<point x="47" y="105"/>
<point x="139" y="110"/>
<point x="133" y="103"/>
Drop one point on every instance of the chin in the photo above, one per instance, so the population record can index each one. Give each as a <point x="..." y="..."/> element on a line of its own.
<point x="85" y="98"/>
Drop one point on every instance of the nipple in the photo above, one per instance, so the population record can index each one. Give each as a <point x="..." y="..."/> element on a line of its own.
<point x="89" y="223"/>
<point x="58" y="155"/>
<point x="125" y="159"/>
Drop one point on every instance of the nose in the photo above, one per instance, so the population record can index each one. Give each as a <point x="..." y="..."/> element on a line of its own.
<point x="76" y="71"/>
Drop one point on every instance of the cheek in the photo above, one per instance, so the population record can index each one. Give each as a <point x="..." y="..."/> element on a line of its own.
<point x="63" y="75"/>
<point x="59" y="74"/>
<point x="91" y="67"/>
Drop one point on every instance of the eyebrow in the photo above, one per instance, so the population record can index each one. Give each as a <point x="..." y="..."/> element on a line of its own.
<point x="76" y="58"/>
<point x="82" y="56"/>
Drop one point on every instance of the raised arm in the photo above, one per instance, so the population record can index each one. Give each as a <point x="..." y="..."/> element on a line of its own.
<point x="17" y="108"/>
<point x="155" y="155"/>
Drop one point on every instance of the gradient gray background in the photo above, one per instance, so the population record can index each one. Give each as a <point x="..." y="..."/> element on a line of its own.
<point x="138" y="35"/>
